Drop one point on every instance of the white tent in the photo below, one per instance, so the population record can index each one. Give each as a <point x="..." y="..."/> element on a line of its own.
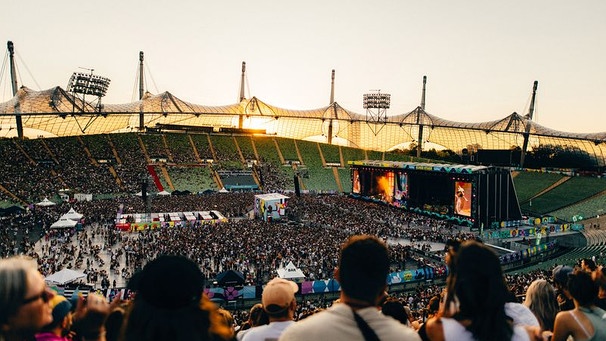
<point x="46" y="202"/>
<point x="64" y="276"/>
<point x="63" y="223"/>
<point x="290" y="271"/>
<point x="72" y="214"/>
<point x="164" y="193"/>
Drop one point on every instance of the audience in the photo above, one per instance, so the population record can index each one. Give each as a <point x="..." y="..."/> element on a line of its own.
<point x="60" y="327"/>
<point x="257" y="317"/>
<point x="541" y="300"/>
<point x="27" y="305"/>
<point x="279" y="303"/>
<point x="560" y="282"/>
<point x="362" y="270"/>
<point x="585" y="321"/>
<point x="169" y="304"/>
<point x="476" y="298"/>
<point x="24" y="299"/>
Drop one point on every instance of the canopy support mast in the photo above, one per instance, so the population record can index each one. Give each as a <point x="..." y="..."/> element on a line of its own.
<point x="528" y="123"/>
<point x="141" y="93"/>
<point x="422" y="108"/>
<point x="11" y="53"/>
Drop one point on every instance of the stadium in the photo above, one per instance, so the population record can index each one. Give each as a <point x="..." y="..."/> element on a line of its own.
<point x="163" y="159"/>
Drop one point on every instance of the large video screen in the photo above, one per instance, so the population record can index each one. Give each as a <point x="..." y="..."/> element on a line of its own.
<point x="356" y="186"/>
<point x="374" y="183"/>
<point x="462" y="198"/>
<point x="401" y="190"/>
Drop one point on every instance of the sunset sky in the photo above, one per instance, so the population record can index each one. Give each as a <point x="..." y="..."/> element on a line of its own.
<point x="481" y="57"/>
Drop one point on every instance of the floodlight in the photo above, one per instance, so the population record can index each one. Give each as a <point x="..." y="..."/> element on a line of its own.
<point x="376" y="101"/>
<point x="88" y="84"/>
<point x="376" y="105"/>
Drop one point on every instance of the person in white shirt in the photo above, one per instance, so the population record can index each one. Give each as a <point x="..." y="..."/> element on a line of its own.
<point x="280" y="304"/>
<point x="362" y="274"/>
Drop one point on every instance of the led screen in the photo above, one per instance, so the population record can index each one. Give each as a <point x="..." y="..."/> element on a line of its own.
<point x="462" y="198"/>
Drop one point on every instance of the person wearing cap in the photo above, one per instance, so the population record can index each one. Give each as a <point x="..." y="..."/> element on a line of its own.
<point x="62" y="321"/>
<point x="362" y="273"/>
<point x="560" y="283"/>
<point x="279" y="303"/>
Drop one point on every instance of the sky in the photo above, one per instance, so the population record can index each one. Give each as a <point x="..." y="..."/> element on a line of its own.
<point x="480" y="57"/>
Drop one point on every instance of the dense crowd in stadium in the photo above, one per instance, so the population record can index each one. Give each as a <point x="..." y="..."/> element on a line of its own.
<point x="314" y="235"/>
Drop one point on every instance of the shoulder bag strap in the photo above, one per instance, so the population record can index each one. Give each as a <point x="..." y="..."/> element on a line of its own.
<point x="369" y="334"/>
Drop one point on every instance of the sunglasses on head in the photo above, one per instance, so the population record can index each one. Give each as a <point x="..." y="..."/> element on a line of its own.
<point x="45" y="295"/>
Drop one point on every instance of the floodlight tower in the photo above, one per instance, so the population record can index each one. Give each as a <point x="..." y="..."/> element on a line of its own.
<point x="88" y="84"/>
<point x="376" y="105"/>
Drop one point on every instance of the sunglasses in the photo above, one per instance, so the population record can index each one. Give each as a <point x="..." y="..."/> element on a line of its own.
<point x="45" y="295"/>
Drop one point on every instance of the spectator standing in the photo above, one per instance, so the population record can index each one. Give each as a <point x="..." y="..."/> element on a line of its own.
<point x="24" y="299"/>
<point x="600" y="278"/>
<point x="279" y="302"/>
<point x="541" y="300"/>
<point x="585" y="321"/>
<point x="476" y="289"/>
<point x="257" y="317"/>
<point x="560" y="282"/>
<point x="62" y="321"/>
<point x="169" y="304"/>
<point x="362" y="272"/>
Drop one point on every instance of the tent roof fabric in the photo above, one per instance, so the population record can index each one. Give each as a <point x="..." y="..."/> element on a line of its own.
<point x="46" y="202"/>
<point x="290" y="271"/>
<point x="65" y="276"/>
<point x="63" y="222"/>
<point x="72" y="214"/>
<point x="59" y="113"/>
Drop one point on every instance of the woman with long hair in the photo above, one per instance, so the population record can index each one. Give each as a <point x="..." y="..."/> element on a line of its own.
<point x="541" y="300"/>
<point x="475" y="300"/>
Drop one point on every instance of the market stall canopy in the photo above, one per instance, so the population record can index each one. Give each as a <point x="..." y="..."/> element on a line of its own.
<point x="63" y="223"/>
<point x="64" y="276"/>
<point x="46" y="202"/>
<point x="72" y="214"/>
<point x="290" y="271"/>
<point x="230" y="278"/>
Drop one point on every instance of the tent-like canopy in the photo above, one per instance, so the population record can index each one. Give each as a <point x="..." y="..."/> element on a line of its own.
<point x="64" y="276"/>
<point x="63" y="223"/>
<point x="52" y="112"/>
<point x="290" y="271"/>
<point x="45" y="203"/>
<point x="230" y="278"/>
<point x="72" y="214"/>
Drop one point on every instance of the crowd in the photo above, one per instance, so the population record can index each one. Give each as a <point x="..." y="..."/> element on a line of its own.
<point x="320" y="223"/>
<point x="476" y="304"/>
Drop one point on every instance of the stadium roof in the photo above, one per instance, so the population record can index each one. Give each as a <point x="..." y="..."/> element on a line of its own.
<point x="55" y="112"/>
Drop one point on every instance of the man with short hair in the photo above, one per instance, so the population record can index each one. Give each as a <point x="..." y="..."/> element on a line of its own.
<point x="362" y="274"/>
<point x="280" y="304"/>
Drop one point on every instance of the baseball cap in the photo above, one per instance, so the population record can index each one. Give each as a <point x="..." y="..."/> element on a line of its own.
<point x="277" y="295"/>
<point x="560" y="274"/>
